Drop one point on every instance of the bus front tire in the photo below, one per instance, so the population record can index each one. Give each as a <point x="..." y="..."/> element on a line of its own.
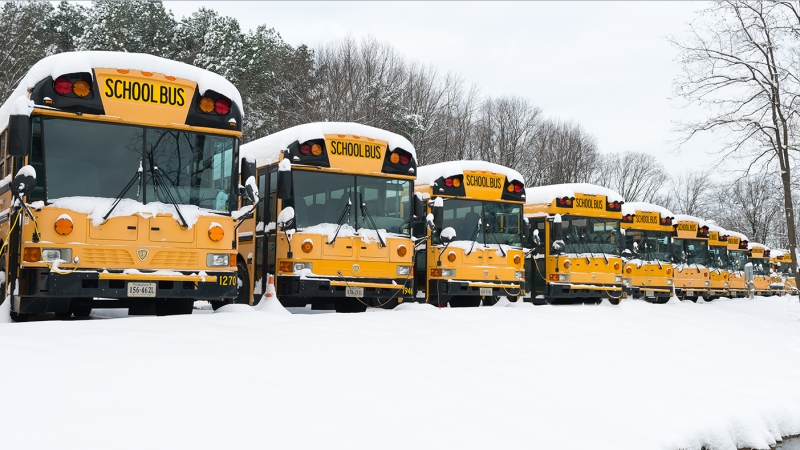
<point x="614" y="301"/>
<point x="18" y="317"/>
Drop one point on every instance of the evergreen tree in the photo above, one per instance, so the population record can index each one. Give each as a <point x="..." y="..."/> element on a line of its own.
<point x="66" y="22"/>
<point x="140" y="26"/>
<point x="25" y="41"/>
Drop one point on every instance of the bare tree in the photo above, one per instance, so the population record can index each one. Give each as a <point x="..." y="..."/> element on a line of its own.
<point x="737" y="64"/>
<point x="636" y="176"/>
<point x="563" y="152"/>
<point x="688" y="193"/>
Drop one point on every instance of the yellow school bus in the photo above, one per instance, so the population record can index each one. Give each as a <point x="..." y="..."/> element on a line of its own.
<point x="690" y="256"/>
<point x="737" y="258"/>
<point x="575" y="243"/>
<point x="473" y="251"/>
<point x="718" y="263"/>
<point x="647" y="272"/>
<point x="125" y="168"/>
<point x="758" y="256"/>
<point x="334" y="222"/>
<point x="781" y="272"/>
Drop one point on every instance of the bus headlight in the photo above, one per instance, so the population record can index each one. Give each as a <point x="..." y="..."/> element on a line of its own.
<point x="626" y="281"/>
<point x="519" y="275"/>
<point x="218" y="259"/>
<point x="55" y="254"/>
<point x="726" y="284"/>
<point x="669" y="282"/>
<point x="618" y="279"/>
<point x="448" y="272"/>
<point x="563" y="277"/>
<point x="403" y="270"/>
<point x="298" y="266"/>
<point x="706" y="283"/>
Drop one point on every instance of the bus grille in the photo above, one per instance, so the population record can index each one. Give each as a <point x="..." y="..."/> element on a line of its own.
<point x="174" y="259"/>
<point x="101" y="257"/>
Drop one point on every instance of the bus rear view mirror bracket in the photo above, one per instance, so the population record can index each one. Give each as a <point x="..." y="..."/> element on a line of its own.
<point x="19" y="135"/>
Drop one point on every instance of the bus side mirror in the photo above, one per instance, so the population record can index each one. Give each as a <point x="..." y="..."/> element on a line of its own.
<point x="24" y="181"/>
<point x="284" y="184"/>
<point x="419" y="207"/>
<point x="448" y="235"/>
<point x="557" y="232"/>
<point x="438" y="216"/>
<point x="248" y="177"/>
<point x="526" y="229"/>
<point x="19" y="134"/>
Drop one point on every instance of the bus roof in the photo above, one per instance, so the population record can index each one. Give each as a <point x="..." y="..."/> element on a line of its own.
<point x="688" y="218"/>
<point x="267" y="150"/>
<point x="737" y="234"/>
<point x="430" y="173"/>
<point x="73" y="62"/>
<point x="751" y="245"/>
<point x="546" y="194"/>
<point x="632" y="207"/>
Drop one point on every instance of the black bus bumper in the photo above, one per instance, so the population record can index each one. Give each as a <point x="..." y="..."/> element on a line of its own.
<point x="295" y="291"/>
<point x="567" y="291"/>
<point x="443" y="289"/>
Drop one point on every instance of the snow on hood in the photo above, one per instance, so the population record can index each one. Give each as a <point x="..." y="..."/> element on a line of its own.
<point x="71" y="62"/>
<point x="430" y="173"/>
<point x="546" y="194"/>
<point x="688" y="218"/>
<point x="267" y="150"/>
<point x="95" y="208"/>
<point x="632" y="207"/>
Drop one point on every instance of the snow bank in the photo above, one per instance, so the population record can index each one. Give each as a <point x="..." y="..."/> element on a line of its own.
<point x="268" y="149"/>
<point x="235" y="308"/>
<point x="632" y="207"/>
<point x="95" y="208"/>
<point x="546" y="194"/>
<point x="71" y="62"/>
<point x="632" y="377"/>
<point x="430" y="173"/>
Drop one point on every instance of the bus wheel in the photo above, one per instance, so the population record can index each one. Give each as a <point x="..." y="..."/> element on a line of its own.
<point x="692" y="299"/>
<point x="661" y="300"/>
<point x="465" y="302"/>
<point x="348" y="305"/>
<point x="244" y="288"/>
<point x="17" y="317"/>
<point x="614" y="301"/>
<point x="490" y="301"/>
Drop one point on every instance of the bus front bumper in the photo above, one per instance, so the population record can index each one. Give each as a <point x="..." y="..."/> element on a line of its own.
<point x="649" y="291"/>
<point x="445" y="288"/>
<point x="570" y="290"/>
<point x="301" y="291"/>
<point x="48" y="291"/>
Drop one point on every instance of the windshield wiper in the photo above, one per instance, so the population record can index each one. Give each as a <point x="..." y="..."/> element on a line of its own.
<point x="474" y="236"/>
<point x="365" y="211"/>
<point x="340" y="222"/>
<point x="134" y="180"/>
<point x="498" y="244"/>
<point x="159" y="182"/>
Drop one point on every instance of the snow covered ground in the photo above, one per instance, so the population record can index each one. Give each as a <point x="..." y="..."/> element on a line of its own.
<point x="724" y="374"/>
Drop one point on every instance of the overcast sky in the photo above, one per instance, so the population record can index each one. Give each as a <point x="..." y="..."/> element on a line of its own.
<point x="606" y="65"/>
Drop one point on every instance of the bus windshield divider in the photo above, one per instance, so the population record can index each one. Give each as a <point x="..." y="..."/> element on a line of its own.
<point x="366" y="213"/>
<point x="124" y="191"/>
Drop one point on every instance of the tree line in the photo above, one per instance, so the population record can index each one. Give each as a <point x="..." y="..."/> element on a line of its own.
<point x="370" y="82"/>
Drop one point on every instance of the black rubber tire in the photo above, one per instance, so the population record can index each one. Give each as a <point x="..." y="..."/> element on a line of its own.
<point x="17" y="317"/>
<point x="243" y="292"/>
<point x="661" y="300"/>
<point x="614" y="301"/>
<point x="348" y="305"/>
<point x="691" y="299"/>
<point x="465" y="302"/>
<point x="490" y="301"/>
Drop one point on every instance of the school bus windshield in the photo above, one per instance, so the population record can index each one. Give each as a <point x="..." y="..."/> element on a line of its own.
<point x="322" y="198"/>
<point x="95" y="159"/>
<point x="591" y="235"/>
<point x="737" y="260"/>
<point x="760" y="265"/>
<point x="501" y="221"/>
<point x="718" y="257"/>
<point x="648" y="245"/>
<point x="690" y="251"/>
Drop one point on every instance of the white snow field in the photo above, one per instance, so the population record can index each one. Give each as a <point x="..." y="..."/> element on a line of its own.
<point x="723" y="375"/>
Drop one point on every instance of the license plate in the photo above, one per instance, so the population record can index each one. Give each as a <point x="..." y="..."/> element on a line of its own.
<point x="486" y="291"/>
<point x="354" y="291"/>
<point x="141" y="289"/>
<point x="649" y="294"/>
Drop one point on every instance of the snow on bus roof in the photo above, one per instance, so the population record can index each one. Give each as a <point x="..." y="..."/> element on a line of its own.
<point x="72" y="62"/>
<point x="432" y="172"/>
<point x="546" y="194"/>
<point x="775" y="252"/>
<point x="737" y="234"/>
<point x="751" y="245"/>
<point x="688" y="218"/>
<point x="267" y="149"/>
<point x="632" y="207"/>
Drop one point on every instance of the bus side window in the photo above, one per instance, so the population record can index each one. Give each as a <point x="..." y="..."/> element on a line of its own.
<point x="3" y="154"/>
